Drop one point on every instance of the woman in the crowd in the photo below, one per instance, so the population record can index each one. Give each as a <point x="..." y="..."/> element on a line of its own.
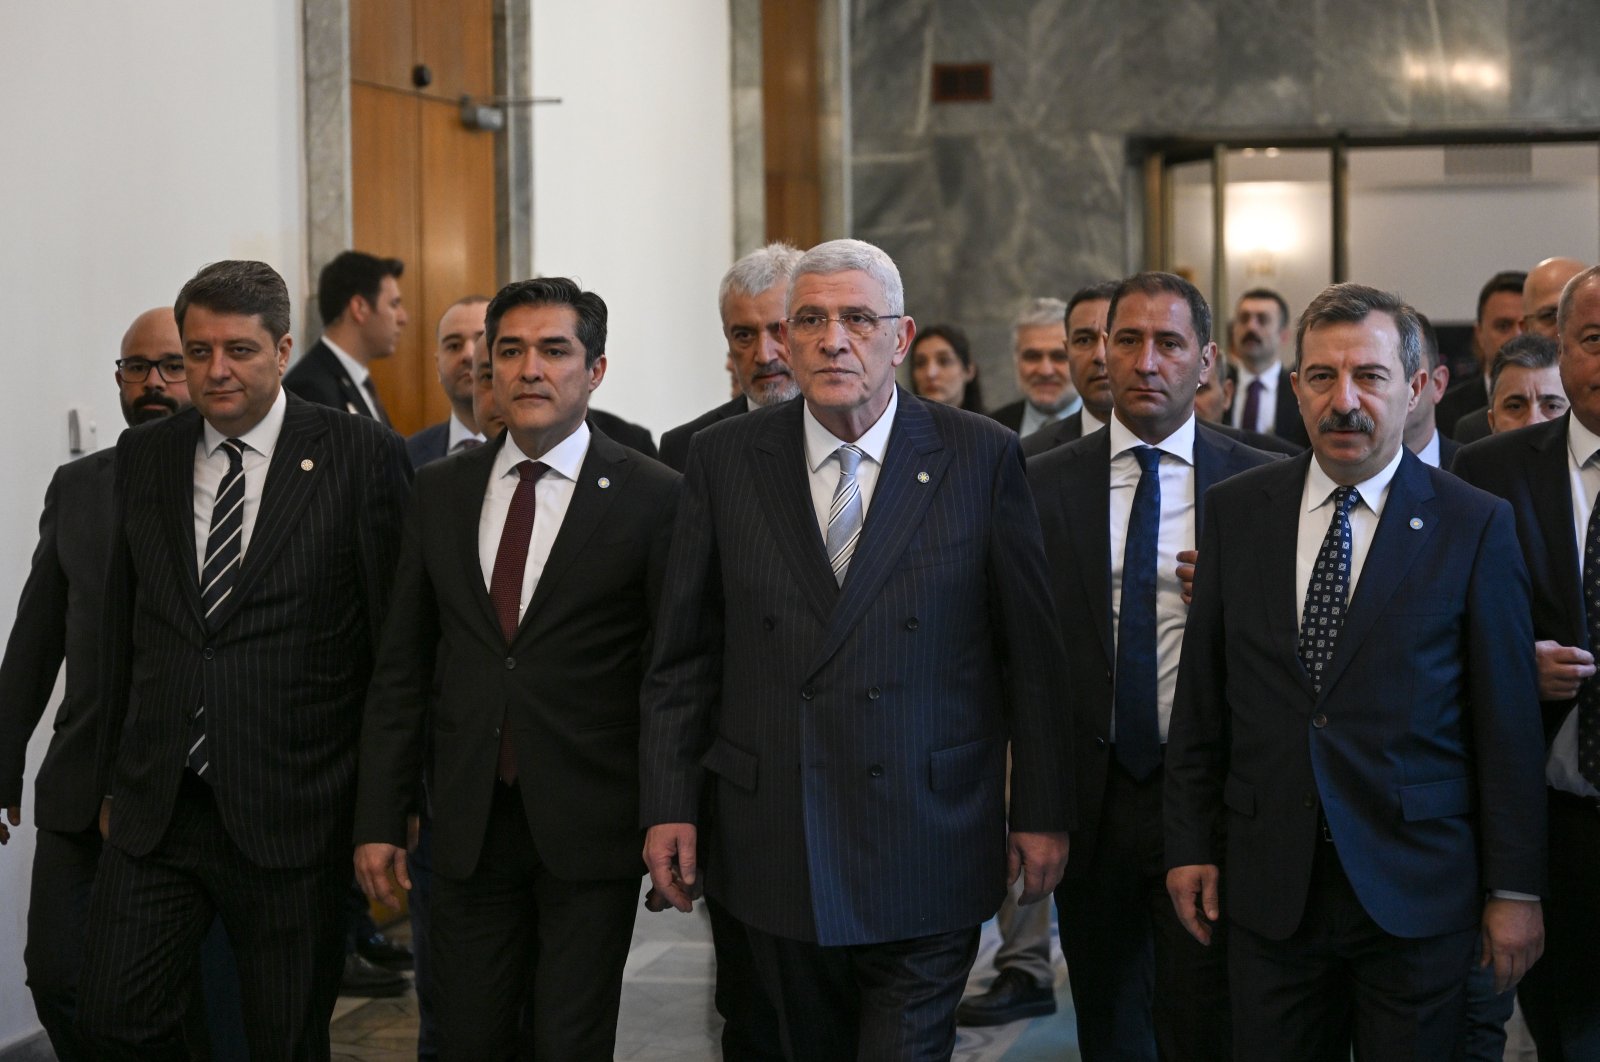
<point x="942" y="368"/>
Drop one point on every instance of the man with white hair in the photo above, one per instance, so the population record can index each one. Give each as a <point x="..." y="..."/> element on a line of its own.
<point x="1044" y="373"/>
<point x="856" y="621"/>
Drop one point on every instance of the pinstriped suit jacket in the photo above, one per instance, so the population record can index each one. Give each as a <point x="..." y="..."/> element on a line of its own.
<point x="856" y="736"/>
<point x="283" y="675"/>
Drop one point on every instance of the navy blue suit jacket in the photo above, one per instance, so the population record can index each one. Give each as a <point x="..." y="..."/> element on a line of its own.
<point x="1072" y="487"/>
<point x="856" y="735"/>
<point x="1423" y="748"/>
<point x="429" y="444"/>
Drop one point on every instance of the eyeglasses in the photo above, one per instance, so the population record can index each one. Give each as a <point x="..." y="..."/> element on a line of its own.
<point x="860" y="325"/>
<point x="137" y="370"/>
<point x="1546" y="317"/>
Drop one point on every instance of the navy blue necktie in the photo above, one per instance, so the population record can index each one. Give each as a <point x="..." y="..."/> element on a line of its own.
<point x="1589" y="694"/>
<point x="1138" y="728"/>
<point x="1328" y="592"/>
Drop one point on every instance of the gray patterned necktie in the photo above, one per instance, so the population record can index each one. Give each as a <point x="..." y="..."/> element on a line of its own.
<point x="844" y="515"/>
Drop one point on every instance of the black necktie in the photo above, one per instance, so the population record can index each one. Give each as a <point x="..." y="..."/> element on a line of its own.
<point x="219" y="573"/>
<point x="1589" y="694"/>
<point x="377" y="404"/>
<point x="1138" y="727"/>
<point x="1328" y="593"/>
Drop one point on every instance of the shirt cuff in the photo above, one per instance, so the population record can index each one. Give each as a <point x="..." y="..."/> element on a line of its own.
<point x="1506" y="894"/>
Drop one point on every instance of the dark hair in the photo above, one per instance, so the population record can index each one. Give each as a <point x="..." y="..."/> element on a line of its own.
<point x="238" y="287"/>
<point x="350" y="274"/>
<point x="1529" y="350"/>
<point x="1153" y="283"/>
<point x="1268" y="293"/>
<point x="1351" y="304"/>
<point x="1101" y="292"/>
<point x="1430" y="342"/>
<point x="1509" y="280"/>
<point x="972" y="396"/>
<point x="552" y="291"/>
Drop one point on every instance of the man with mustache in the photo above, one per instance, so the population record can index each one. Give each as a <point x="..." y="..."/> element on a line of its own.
<point x="1039" y="347"/>
<point x="1355" y="736"/>
<point x="1086" y="365"/>
<point x="459" y="333"/>
<point x="1262" y="400"/>
<point x="58" y="619"/>
<point x="750" y="300"/>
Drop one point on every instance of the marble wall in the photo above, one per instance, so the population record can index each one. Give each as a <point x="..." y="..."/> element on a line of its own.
<point x="984" y="204"/>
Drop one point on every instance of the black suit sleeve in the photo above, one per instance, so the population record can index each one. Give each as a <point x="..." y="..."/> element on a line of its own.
<point x="388" y="485"/>
<point x="116" y="657"/>
<point x="34" y="652"/>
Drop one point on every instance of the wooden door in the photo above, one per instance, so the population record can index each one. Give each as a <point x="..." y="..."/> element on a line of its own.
<point x="422" y="183"/>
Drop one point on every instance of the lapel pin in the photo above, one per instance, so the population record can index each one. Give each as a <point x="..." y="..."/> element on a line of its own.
<point x="307" y="465"/>
<point x="1416" y="523"/>
<point x="604" y="483"/>
<point x="922" y="477"/>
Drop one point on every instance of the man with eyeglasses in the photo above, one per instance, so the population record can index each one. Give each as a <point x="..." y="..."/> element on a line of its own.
<point x="856" y="621"/>
<point x="58" y="618"/>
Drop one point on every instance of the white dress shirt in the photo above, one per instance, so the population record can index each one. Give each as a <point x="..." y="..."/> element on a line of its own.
<point x="1177" y="533"/>
<point x="1266" y="405"/>
<point x="552" y="494"/>
<point x="1561" y="768"/>
<point x="459" y="433"/>
<point x="823" y="469"/>
<point x="1429" y="454"/>
<point x="1091" y="423"/>
<point x="211" y="464"/>
<point x="1316" y="513"/>
<point x="1034" y="419"/>
<point x="358" y="372"/>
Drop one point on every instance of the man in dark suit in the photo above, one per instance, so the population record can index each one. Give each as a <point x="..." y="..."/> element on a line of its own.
<point x="58" y="619"/>
<point x="1499" y="317"/>
<point x="1211" y="404"/>
<point x="1263" y="401"/>
<point x="1525" y="384"/>
<point x="1142" y="987"/>
<point x="1549" y="474"/>
<point x="633" y="436"/>
<point x="459" y="333"/>
<point x="1354" y="736"/>
<point x="1039" y="348"/>
<point x="750" y="300"/>
<point x="1422" y="436"/>
<point x="856" y="621"/>
<point x="253" y="541"/>
<point x="530" y="570"/>
<point x="1086" y="364"/>
<point x="363" y="314"/>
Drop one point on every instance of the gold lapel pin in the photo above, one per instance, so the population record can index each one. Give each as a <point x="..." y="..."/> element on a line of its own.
<point x="604" y="483"/>
<point x="1416" y="523"/>
<point x="922" y="477"/>
<point x="307" y="465"/>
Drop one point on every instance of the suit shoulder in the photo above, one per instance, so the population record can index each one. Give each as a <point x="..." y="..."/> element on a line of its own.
<point x="87" y="469"/>
<point x="653" y="474"/>
<point x="1512" y="449"/>
<point x="1272" y="474"/>
<point x="1459" y="495"/>
<point x="1053" y="461"/>
<point x="1009" y="414"/>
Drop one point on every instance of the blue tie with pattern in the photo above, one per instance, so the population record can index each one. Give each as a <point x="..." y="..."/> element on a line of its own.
<point x="1328" y="593"/>
<point x="1589" y="694"/>
<point x="1138" y="726"/>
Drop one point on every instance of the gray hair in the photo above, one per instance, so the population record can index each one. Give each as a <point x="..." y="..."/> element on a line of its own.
<point x="843" y="256"/>
<point x="1038" y="312"/>
<point x="757" y="271"/>
<point x="1569" y="293"/>
<point x="1526" y="351"/>
<point x="1351" y="304"/>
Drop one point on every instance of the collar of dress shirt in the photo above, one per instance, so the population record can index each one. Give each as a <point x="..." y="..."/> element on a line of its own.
<point x="261" y="438"/>
<point x="358" y="372"/>
<point x="458" y="432"/>
<point x="1374" y="492"/>
<point x="1090" y="423"/>
<point x="1581" y="442"/>
<point x="1429" y="454"/>
<point x="1179" y="444"/>
<point x="565" y="457"/>
<point x="1267" y="376"/>
<point x="821" y="443"/>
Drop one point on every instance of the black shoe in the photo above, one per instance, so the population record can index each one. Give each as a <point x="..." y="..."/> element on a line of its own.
<point x="363" y="979"/>
<point x="1011" y="997"/>
<point x="384" y="952"/>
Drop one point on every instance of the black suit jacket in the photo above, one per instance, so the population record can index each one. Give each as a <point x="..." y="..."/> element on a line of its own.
<point x="1072" y="486"/>
<point x="568" y="684"/>
<point x="320" y="377"/>
<point x="856" y="736"/>
<point x="1422" y="750"/>
<point x="634" y="436"/>
<point x="1528" y="468"/>
<point x="1287" y="424"/>
<point x="1468" y="396"/>
<point x="58" y="616"/>
<point x="1472" y="426"/>
<point x="285" y="664"/>
<point x="1010" y="414"/>
<point x="1448" y="448"/>
<point x="429" y="444"/>
<point x="1056" y="433"/>
<point x="675" y="443"/>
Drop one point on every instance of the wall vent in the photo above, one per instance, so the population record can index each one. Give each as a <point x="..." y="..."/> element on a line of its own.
<point x="962" y="83"/>
<point x="1501" y="162"/>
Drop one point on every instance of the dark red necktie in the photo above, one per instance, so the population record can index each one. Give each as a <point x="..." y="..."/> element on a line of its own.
<point x="505" y="585"/>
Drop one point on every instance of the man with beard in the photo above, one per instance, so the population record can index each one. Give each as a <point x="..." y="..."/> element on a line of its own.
<point x="751" y="301"/>
<point x="58" y="619"/>
<point x="460" y="332"/>
<point x="1263" y="399"/>
<point x="1044" y="375"/>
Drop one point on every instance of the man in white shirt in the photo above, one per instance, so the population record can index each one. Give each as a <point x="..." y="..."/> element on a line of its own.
<point x="459" y="333"/>
<point x="1044" y="374"/>
<point x="1262" y="399"/>
<point x="363" y="315"/>
<point x="1423" y="437"/>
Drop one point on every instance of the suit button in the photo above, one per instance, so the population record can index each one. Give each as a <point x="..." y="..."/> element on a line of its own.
<point x="511" y="663"/>
<point x="767" y="623"/>
<point x="1099" y="742"/>
<point x="911" y="624"/>
<point x="873" y="693"/>
<point x="806" y="692"/>
<point x="208" y="652"/>
<point x="1319" y="720"/>
<point x="1310" y="801"/>
<point x="876" y="770"/>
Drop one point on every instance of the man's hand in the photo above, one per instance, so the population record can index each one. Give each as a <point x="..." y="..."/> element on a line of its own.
<point x="1187" y="559"/>
<point x="669" y="853"/>
<point x="1040" y="858"/>
<point x="105" y="819"/>
<point x="413" y="832"/>
<point x="1194" y="896"/>
<point x="1513" y="939"/>
<point x="14" y="813"/>
<point x="373" y="862"/>
<point x="1562" y="669"/>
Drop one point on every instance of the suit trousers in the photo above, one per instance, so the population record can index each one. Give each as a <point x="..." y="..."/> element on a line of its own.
<point x="419" y="864"/>
<point x="890" y="1002"/>
<point x="58" y="906"/>
<point x="1143" y="988"/>
<point x="513" y="934"/>
<point x="1339" y="980"/>
<point x="149" y="915"/>
<point x="749" y="1020"/>
<point x="1561" y="993"/>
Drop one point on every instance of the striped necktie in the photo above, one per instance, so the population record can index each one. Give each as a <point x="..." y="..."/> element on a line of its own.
<point x="844" y="515"/>
<point x="219" y="573"/>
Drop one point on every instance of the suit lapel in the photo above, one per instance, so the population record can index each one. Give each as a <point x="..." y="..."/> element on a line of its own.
<point x="1084" y="503"/>
<point x="780" y="474"/>
<point x="1278" y="542"/>
<point x="899" y="500"/>
<point x="176" y="477"/>
<point x="1551" y="485"/>
<point x="1407" y="524"/>
<point x="1210" y="466"/>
